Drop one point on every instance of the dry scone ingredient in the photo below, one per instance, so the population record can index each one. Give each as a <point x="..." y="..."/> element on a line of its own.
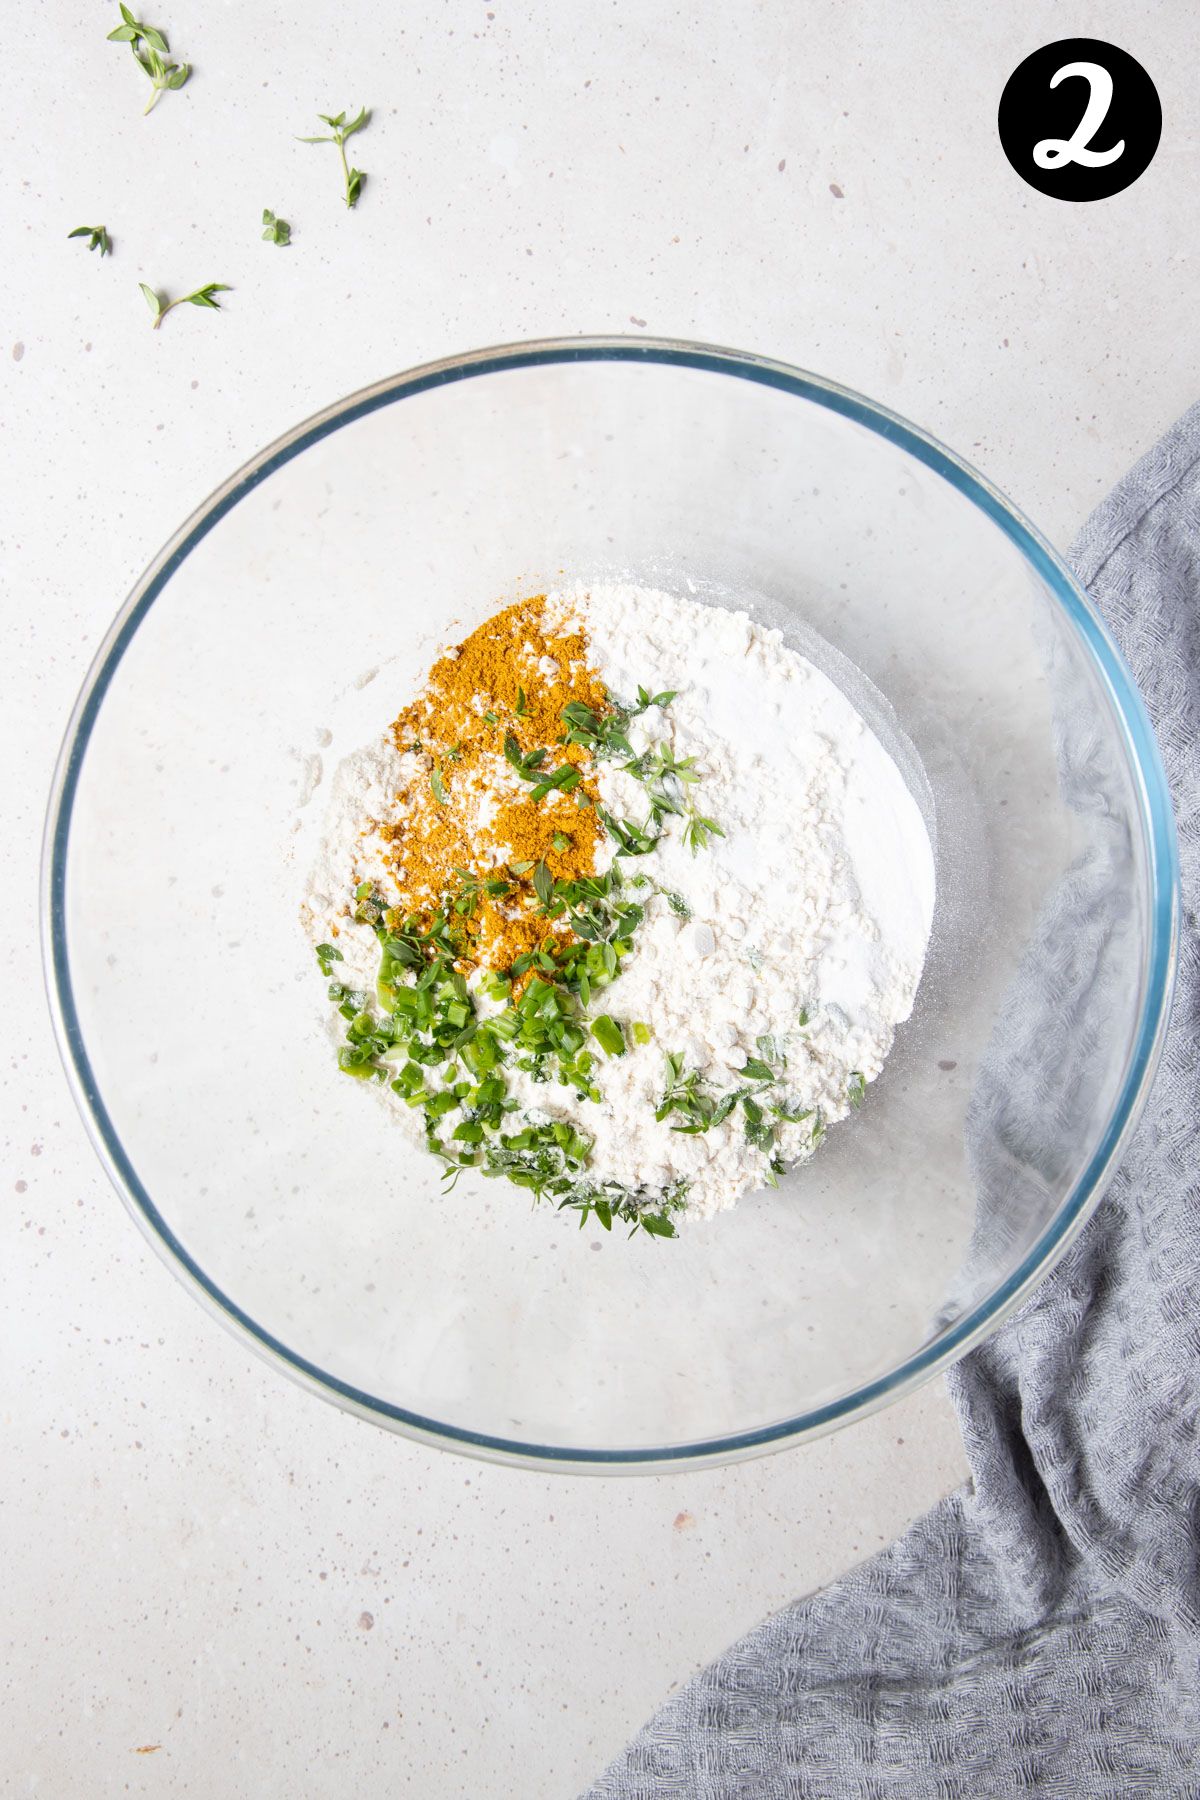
<point x="625" y="906"/>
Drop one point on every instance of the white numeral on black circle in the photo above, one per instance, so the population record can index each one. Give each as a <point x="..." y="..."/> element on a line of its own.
<point x="1052" y="153"/>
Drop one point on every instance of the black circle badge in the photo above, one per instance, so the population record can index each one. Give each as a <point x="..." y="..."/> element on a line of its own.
<point x="1079" y="119"/>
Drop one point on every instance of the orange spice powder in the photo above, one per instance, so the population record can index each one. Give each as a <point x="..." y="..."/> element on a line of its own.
<point x="467" y="809"/>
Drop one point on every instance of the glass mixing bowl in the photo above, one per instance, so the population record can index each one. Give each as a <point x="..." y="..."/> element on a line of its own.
<point x="285" y="624"/>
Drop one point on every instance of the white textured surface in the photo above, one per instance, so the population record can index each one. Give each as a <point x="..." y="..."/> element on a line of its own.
<point x="197" y="1555"/>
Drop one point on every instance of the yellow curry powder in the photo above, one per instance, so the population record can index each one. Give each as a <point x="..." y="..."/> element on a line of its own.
<point x="468" y="809"/>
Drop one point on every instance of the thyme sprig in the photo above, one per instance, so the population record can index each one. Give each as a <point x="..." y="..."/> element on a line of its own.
<point x="667" y="779"/>
<point x="150" y="50"/>
<point x="201" y="297"/>
<point x="97" y="236"/>
<point x="339" y="132"/>
<point x="686" y="1095"/>
<point x="605" y="734"/>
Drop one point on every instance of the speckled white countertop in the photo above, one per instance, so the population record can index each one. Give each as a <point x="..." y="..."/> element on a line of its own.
<point x="213" y="1584"/>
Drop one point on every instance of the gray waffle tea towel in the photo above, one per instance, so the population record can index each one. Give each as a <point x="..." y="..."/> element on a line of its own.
<point x="1038" y="1633"/>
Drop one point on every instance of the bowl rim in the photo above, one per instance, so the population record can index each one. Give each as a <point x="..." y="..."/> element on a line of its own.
<point x="1158" y="833"/>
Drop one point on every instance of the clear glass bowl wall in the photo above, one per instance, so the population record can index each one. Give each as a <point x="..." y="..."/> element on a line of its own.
<point x="285" y="626"/>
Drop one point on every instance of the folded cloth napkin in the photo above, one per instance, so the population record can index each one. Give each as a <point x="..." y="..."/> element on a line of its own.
<point x="1038" y="1633"/>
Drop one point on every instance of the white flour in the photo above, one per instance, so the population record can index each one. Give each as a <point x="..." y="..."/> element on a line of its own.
<point x="808" y="920"/>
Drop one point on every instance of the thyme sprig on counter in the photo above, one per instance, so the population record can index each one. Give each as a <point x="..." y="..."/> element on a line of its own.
<point x="201" y="297"/>
<point x="275" y="231"/>
<point x="339" y="132"/>
<point x="150" y="50"/>
<point x="97" y="236"/>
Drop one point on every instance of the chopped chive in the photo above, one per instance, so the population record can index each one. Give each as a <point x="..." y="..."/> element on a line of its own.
<point x="608" y="1035"/>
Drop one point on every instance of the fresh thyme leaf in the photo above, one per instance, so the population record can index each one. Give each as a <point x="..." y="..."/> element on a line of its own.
<point x="581" y="717"/>
<point x="856" y="1088"/>
<point x="678" y="905"/>
<point x="202" y="297"/>
<point x="687" y="1096"/>
<point x="608" y="1035"/>
<point x="520" y="706"/>
<point x="698" y="831"/>
<point x="339" y="130"/>
<point x="760" y="1133"/>
<point x="645" y="699"/>
<point x="527" y="764"/>
<point x="603" y="735"/>
<point x="489" y="718"/>
<point x="561" y="842"/>
<point x="543" y="883"/>
<point x="97" y="236"/>
<point x="754" y="1070"/>
<point x="521" y="868"/>
<point x="640" y="1032"/>
<point x="437" y="785"/>
<point x="791" y="1112"/>
<point x="132" y="30"/>
<point x="658" y="763"/>
<point x="657" y="1225"/>
<point x="275" y="231"/>
<point x="633" y="840"/>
